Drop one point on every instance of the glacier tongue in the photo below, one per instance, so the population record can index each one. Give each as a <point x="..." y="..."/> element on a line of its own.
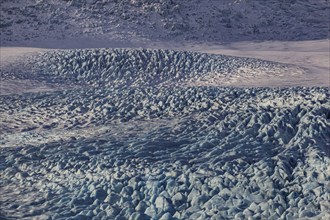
<point x="166" y="153"/>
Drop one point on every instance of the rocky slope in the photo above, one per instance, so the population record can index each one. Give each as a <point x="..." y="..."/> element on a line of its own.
<point x="165" y="20"/>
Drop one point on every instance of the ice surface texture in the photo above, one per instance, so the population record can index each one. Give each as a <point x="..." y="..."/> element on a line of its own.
<point x="140" y="67"/>
<point x="211" y="153"/>
<point x="156" y="147"/>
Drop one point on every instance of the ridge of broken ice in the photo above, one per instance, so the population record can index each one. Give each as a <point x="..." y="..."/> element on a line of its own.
<point x="141" y="67"/>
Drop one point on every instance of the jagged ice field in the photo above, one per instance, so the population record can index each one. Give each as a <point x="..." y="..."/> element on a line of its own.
<point x="161" y="134"/>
